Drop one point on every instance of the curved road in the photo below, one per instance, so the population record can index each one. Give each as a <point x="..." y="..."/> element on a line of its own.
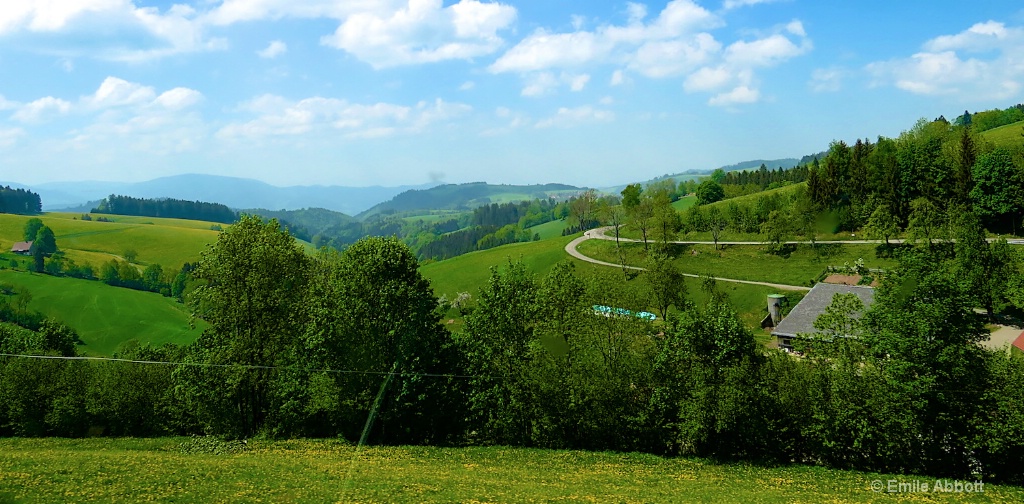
<point x="598" y="233"/>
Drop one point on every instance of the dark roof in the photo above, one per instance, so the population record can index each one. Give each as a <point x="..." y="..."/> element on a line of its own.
<point x="22" y="246"/>
<point x="801" y="319"/>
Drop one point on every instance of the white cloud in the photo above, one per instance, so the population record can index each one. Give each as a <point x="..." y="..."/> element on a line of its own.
<point x="827" y="79"/>
<point x="174" y="30"/>
<point x="995" y="72"/>
<point x="277" y="116"/>
<point x="618" y="78"/>
<point x="114" y="92"/>
<point x="41" y="110"/>
<point x="275" y="49"/>
<point x="674" y="43"/>
<point x="179" y="98"/>
<point x="678" y="22"/>
<point x="578" y="82"/>
<point x="545" y="83"/>
<point x="739" y="95"/>
<point x="540" y="84"/>
<point x="735" y="4"/>
<point x="424" y="31"/>
<point x="568" y="117"/>
<point x="10" y="136"/>
<point x="467" y="86"/>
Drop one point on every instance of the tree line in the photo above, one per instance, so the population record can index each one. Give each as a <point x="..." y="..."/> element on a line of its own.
<point x="19" y="201"/>
<point x="299" y="345"/>
<point x="166" y="207"/>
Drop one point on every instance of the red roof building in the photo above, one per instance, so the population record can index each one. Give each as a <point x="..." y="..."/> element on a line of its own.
<point x="1019" y="342"/>
<point x="23" y="248"/>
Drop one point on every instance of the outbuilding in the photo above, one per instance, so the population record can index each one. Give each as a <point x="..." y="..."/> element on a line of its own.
<point x="22" y="248"/>
<point x="801" y="319"/>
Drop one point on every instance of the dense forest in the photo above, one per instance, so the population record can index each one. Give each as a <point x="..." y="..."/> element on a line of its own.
<point x="166" y="207"/>
<point x="19" y="201"/>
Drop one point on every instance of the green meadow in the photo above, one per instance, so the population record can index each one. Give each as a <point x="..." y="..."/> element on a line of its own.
<point x="548" y="230"/>
<point x="1011" y="135"/>
<point x="105" y="317"/>
<point x="684" y="203"/>
<point x="192" y="470"/>
<point x="167" y="242"/>
<point x="469" y="272"/>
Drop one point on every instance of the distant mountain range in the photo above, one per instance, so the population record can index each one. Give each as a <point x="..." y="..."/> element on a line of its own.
<point x="468" y="196"/>
<point x="232" y="191"/>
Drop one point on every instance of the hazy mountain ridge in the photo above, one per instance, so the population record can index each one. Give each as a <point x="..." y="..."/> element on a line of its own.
<point x="467" y="196"/>
<point x="234" y="192"/>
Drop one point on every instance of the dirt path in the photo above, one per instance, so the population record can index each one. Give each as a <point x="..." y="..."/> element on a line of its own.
<point x="600" y="234"/>
<point x="570" y="248"/>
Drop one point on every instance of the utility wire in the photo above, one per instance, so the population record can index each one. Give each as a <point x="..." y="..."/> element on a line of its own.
<point x="241" y="366"/>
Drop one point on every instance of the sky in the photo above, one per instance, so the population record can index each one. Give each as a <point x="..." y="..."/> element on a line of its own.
<point x="394" y="92"/>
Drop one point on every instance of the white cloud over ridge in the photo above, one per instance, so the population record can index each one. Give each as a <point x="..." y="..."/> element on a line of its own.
<point x="277" y="116"/>
<point x="994" y="71"/>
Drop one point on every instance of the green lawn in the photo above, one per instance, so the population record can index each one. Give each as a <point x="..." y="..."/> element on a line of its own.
<point x="105" y="316"/>
<point x="165" y="470"/>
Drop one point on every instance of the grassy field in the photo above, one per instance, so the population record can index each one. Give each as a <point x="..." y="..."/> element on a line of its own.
<point x="105" y="316"/>
<point x="168" y="242"/>
<point x="469" y="272"/>
<point x="549" y="230"/>
<point x="171" y="470"/>
<point x="748" y="262"/>
<point x="684" y="203"/>
<point x="1006" y="136"/>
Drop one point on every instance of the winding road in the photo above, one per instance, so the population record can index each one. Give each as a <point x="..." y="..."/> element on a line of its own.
<point x="600" y="234"/>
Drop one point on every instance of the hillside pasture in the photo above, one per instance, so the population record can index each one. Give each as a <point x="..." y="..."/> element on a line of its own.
<point x="1010" y="135"/>
<point x="469" y="272"/>
<point x="684" y="203"/>
<point x="179" y="470"/>
<point x="548" y="230"/>
<point x="167" y="242"/>
<point x="106" y="317"/>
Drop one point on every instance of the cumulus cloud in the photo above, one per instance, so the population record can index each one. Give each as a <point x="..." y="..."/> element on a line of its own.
<point x="41" y="110"/>
<point x="676" y="42"/>
<point x="677" y="24"/>
<point x="825" y="80"/>
<point x="275" y="49"/>
<point x="10" y="136"/>
<point x="423" y="31"/>
<point x="568" y="117"/>
<point x="981" y="63"/>
<point x="277" y="116"/>
<point x="174" y="30"/>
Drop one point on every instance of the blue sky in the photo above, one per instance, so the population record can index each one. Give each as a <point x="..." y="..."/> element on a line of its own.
<point x="389" y="92"/>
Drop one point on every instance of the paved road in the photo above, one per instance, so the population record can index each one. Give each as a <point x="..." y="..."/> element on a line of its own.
<point x="601" y="234"/>
<point x="570" y="248"/>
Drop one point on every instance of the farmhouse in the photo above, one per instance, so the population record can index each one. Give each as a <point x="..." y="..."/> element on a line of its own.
<point x="801" y="319"/>
<point x="23" y="248"/>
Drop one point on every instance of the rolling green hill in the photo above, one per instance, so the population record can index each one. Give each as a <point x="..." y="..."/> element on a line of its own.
<point x="167" y="242"/>
<point x="467" y="196"/>
<point x="1011" y="135"/>
<point x="105" y="317"/>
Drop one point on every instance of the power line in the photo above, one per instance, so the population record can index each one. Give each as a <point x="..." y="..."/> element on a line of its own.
<point x="240" y="366"/>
